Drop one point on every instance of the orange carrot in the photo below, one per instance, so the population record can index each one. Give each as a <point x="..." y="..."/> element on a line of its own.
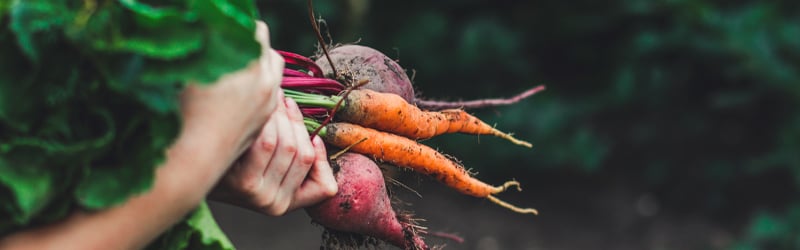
<point x="408" y="153"/>
<point x="391" y="113"/>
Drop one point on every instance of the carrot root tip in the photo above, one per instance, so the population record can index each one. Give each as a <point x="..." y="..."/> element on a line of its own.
<point x="511" y="138"/>
<point x="506" y="186"/>
<point x="512" y="207"/>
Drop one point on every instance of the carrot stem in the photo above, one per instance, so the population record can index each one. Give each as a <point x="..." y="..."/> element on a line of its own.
<point x="312" y="125"/>
<point x="312" y="100"/>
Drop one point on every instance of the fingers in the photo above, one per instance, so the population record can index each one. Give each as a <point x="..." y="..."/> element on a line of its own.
<point x="271" y="62"/>
<point x="320" y="183"/>
<point x="250" y="171"/>
<point x="283" y="169"/>
<point x="245" y="178"/>
<point x="262" y="35"/>
<point x="324" y="172"/>
<point x="303" y="158"/>
<point x="305" y="151"/>
<point x="271" y="65"/>
<point x="283" y="156"/>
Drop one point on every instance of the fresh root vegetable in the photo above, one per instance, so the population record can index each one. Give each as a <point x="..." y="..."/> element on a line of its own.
<point x="388" y="112"/>
<point x="356" y="62"/>
<point x="404" y="152"/>
<point x="391" y="113"/>
<point x="362" y="205"/>
<point x="382" y="120"/>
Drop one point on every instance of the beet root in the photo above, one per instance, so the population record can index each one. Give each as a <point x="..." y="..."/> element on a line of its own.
<point x="362" y="205"/>
<point x="356" y="62"/>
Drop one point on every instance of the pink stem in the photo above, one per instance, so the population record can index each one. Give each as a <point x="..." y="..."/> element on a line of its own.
<point x="310" y="82"/>
<point x="313" y="111"/>
<point x="312" y="85"/>
<point x="439" y="105"/>
<point x="294" y="73"/>
<point x="302" y="61"/>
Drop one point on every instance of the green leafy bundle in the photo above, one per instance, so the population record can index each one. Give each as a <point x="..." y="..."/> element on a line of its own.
<point x="89" y="94"/>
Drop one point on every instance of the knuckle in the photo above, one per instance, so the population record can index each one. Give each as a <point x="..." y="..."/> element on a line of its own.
<point x="307" y="158"/>
<point x="264" y="201"/>
<point x="249" y="185"/>
<point x="268" y="144"/>
<point x="289" y="148"/>
<point x="277" y="209"/>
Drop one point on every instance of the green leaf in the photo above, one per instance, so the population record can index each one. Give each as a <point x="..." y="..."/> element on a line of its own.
<point x="154" y="17"/>
<point x="220" y="56"/>
<point x="164" y="32"/>
<point x="35" y="23"/>
<point x="125" y="172"/>
<point x="198" y="230"/>
<point x="31" y="187"/>
<point x="177" y="237"/>
<point x="241" y="11"/>
<point x="105" y="187"/>
<point x="207" y="230"/>
<point x="162" y="100"/>
<point x="171" y="44"/>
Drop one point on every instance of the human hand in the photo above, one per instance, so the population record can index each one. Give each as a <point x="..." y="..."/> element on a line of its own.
<point x="228" y="114"/>
<point x="283" y="170"/>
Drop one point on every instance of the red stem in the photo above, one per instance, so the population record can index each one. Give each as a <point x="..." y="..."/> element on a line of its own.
<point x="312" y="85"/>
<point x="302" y="61"/>
<point x="294" y="73"/>
<point x="310" y="82"/>
<point x="313" y="111"/>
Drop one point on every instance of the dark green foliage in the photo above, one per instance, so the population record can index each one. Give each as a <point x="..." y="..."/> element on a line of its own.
<point x="695" y="101"/>
<point x="88" y="96"/>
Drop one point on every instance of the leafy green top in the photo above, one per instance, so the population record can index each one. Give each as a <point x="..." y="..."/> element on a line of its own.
<point x="88" y="98"/>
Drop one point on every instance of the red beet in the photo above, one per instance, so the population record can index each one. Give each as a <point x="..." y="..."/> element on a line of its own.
<point x="360" y="62"/>
<point x="362" y="205"/>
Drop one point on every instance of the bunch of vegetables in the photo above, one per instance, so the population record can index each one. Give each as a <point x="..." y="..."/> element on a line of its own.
<point x="107" y="75"/>
<point x="361" y="102"/>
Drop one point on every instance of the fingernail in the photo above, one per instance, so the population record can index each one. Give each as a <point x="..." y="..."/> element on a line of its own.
<point x="317" y="141"/>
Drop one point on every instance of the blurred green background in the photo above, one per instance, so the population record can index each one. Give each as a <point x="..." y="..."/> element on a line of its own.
<point x="691" y="107"/>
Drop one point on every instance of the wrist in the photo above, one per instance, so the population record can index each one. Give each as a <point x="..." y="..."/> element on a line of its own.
<point x="197" y="158"/>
